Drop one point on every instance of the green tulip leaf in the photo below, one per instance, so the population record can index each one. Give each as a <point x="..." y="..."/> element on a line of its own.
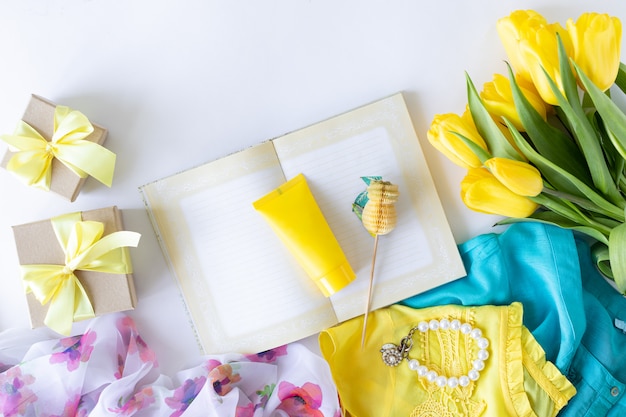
<point x="568" y="80"/>
<point x="581" y="202"/>
<point x="551" y="142"/>
<point x="553" y="177"/>
<point x="554" y="219"/>
<point x="496" y="141"/>
<point x="482" y="154"/>
<point x="600" y="204"/>
<point x="600" y="255"/>
<point x="561" y="207"/>
<point x="620" y="81"/>
<point x="613" y="118"/>
<point x="617" y="256"/>
<point x="569" y="210"/>
<point x="607" y="222"/>
<point x="584" y="133"/>
<point x="613" y="150"/>
<point x="587" y="103"/>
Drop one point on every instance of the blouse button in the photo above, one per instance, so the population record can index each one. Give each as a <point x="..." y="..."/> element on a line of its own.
<point x="614" y="391"/>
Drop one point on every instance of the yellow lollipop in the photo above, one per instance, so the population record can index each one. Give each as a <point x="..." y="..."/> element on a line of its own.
<point x="379" y="214"/>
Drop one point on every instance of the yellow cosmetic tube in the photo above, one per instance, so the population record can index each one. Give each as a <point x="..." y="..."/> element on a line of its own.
<point x="293" y="214"/>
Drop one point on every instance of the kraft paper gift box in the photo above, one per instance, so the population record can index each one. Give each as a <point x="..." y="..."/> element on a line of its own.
<point x="40" y="115"/>
<point x="108" y="292"/>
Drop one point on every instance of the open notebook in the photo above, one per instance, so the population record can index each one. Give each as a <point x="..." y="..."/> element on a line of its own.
<point x="243" y="290"/>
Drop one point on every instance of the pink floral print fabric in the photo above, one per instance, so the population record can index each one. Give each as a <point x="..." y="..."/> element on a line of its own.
<point x="110" y="371"/>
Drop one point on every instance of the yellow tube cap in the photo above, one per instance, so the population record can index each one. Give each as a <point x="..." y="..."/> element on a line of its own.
<point x="336" y="279"/>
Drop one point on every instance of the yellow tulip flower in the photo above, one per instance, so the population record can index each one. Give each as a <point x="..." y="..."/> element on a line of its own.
<point x="596" y="40"/>
<point x="482" y="192"/>
<point x="441" y="137"/>
<point x="541" y="53"/>
<point x="531" y="45"/>
<point x="514" y="28"/>
<point x="519" y="177"/>
<point x="497" y="97"/>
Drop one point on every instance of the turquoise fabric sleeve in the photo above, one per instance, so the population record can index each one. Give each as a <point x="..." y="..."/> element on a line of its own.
<point x="534" y="264"/>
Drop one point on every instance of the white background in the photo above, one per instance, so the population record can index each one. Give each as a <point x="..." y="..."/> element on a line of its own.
<point x="182" y="82"/>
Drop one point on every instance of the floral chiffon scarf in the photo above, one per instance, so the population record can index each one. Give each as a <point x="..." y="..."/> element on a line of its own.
<point x="109" y="370"/>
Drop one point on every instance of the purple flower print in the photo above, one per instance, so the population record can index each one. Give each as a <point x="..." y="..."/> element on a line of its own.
<point x="15" y="396"/>
<point x="211" y="364"/>
<point x="71" y="406"/>
<point x="223" y="378"/>
<point x="87" y="403"/>
<point x="145" y="353"/>
<point x="139" y="401"/>
<point x="120" y="367"/>
<point x="136" y="344"/>
<point x="184" y="395"/>
<point x="77" y="349"/>
<point x="268" y="356"/>
<point x="302" y="401"/>
<point x="247" y="411"/>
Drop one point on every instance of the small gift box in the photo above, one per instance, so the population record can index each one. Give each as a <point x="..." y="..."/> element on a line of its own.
<point x="55" y="148"/>
<point x="76" y="266"/>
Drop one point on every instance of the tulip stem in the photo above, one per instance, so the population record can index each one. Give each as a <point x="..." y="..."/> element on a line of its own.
<point x="616" y="214"/>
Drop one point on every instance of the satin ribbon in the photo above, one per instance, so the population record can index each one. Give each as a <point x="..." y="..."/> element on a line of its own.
<point x="32" y="162"/>
<point x="85" y="249"/>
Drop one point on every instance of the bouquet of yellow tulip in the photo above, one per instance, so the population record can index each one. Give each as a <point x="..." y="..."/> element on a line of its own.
<point x="547" y="143"/>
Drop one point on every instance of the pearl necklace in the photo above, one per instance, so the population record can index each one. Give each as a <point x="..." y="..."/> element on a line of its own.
<point x="393" y="354"/>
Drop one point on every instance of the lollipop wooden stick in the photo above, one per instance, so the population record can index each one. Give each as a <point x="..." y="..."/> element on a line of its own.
<point x="369" y="291"/>
<point x="379" y="218"/>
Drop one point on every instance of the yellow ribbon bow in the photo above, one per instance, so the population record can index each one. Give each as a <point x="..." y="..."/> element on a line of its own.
<point x="85" y="249"/>
<point x="32" y="162"/>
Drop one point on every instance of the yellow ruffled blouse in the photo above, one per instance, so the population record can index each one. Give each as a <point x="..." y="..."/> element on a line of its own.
<point x="512" y="378"/>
